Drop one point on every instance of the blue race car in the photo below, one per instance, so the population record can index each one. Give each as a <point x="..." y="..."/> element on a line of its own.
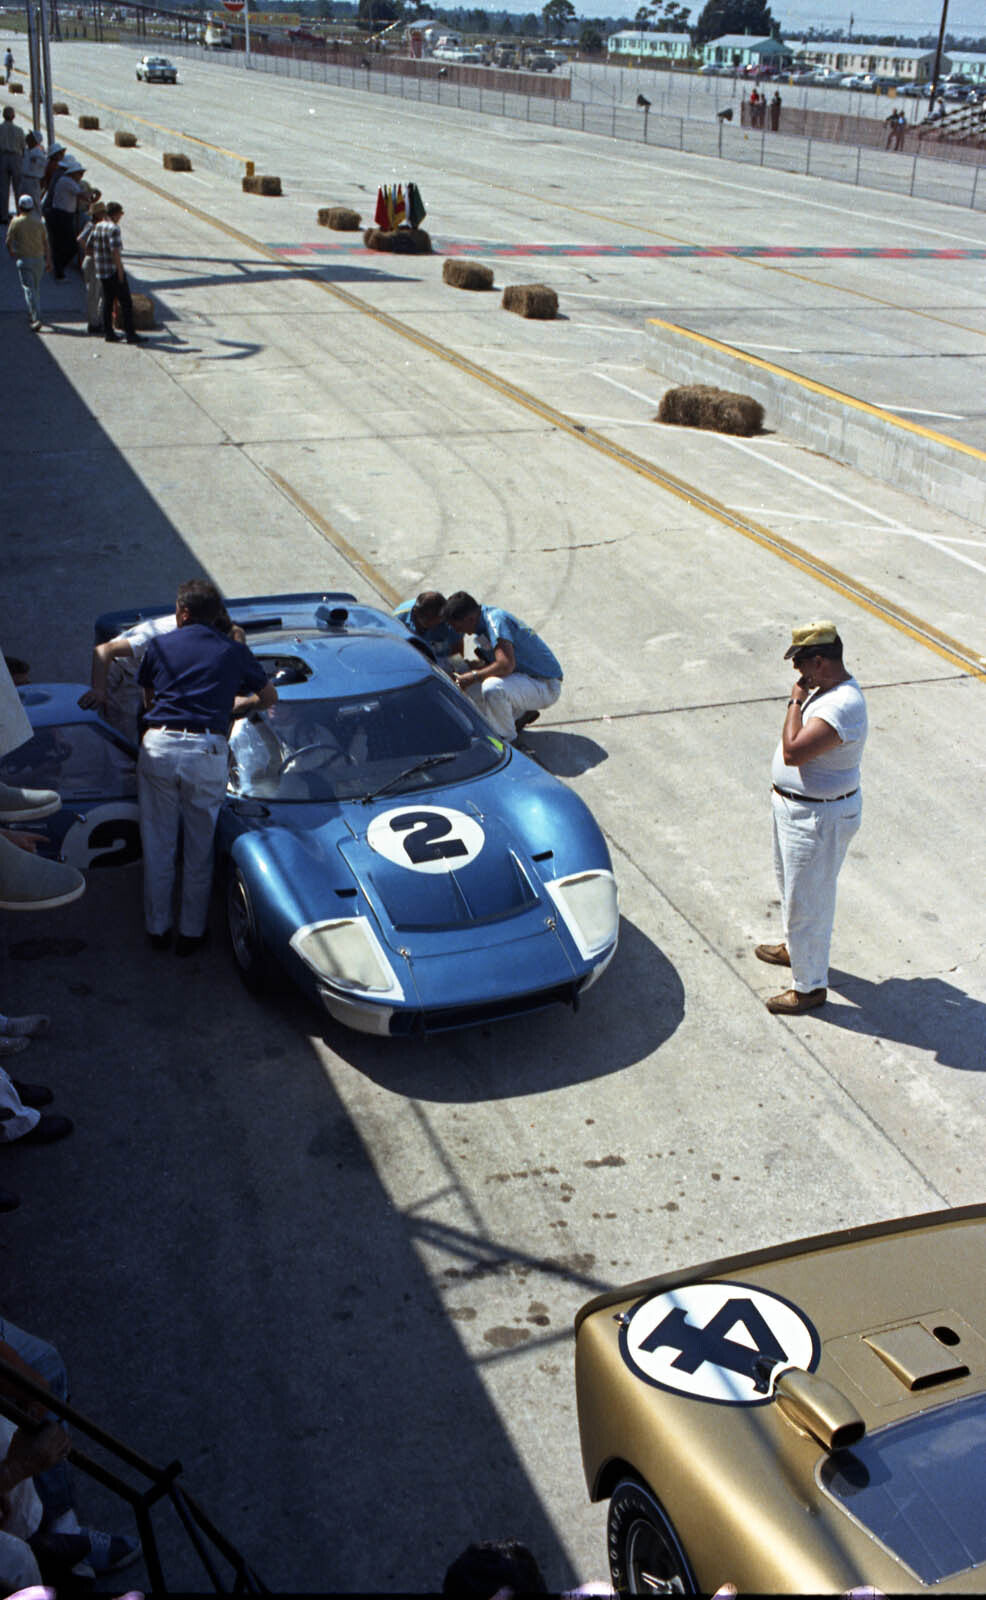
<point x="404" y="865"/>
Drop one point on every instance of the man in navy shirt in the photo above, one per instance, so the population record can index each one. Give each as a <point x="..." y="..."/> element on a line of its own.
<point x="195" y="680"/>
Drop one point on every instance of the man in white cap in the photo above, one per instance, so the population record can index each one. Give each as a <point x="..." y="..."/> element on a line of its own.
<point x="816" y="806"/>
<point x="11" y="151"/>
<point x="67" y="192"/>
<point x="33" y="163"/>
<point x="27" y="242"/>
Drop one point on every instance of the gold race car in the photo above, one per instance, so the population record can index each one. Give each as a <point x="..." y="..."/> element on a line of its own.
<point x="801" y="1419"/>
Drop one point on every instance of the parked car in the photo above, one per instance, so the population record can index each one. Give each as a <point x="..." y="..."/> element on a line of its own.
<point x="156" y="69"/>
<point x="827" y="77"/>
<point x="915" y="91"/>
<point x="542" y="62"/>
<point x="802" y="1419"/>
<point x="399" y="861"/>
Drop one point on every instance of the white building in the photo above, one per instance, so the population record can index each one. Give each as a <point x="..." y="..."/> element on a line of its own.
<point x="911" y="64"/>
<point x="650" y="46"/>
<point x="743" y="50"/>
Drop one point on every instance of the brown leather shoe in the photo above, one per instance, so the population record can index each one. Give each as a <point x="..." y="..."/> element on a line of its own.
<point x="791" y="1002"/>
<point x="775" y="954"/>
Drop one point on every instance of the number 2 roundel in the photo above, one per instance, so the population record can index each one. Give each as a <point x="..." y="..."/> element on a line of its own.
<point x="713" y="1341"/>
<point x="426" y="838"/>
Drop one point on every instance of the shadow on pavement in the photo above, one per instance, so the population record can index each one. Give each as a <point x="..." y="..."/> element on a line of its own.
<point x="548" y="1050"/>
<point x="212" y="1249"/>
<point x="926" y="1012"/>
<point x="567" y="755"/>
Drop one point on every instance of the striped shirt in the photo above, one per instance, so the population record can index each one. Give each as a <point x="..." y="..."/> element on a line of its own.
<point x="106" y="237"/>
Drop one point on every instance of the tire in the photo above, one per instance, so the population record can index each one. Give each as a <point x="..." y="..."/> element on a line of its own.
<point x="241" y="923"/>
<point x="645" y="1554"/>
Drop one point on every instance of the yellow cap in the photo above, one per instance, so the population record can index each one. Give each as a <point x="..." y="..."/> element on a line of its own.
<point x="811" y="633"/>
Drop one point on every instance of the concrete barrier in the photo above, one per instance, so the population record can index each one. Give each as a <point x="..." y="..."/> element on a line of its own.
<point x="940" y="470"/>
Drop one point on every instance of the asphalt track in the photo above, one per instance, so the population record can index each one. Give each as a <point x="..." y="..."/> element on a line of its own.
<point x="335" y="1280"/>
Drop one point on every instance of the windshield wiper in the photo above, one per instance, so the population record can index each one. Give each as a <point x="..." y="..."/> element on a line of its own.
<point x="409" y="772"/>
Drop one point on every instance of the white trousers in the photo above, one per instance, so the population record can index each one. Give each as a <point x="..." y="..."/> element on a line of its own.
<point x="181" y="779"/>
<point x="502" y="700"/>
<point x="810" y="844"/>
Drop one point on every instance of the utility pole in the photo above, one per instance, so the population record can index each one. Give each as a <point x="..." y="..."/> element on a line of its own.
<point x="45" y="60"/>
<point x="33" y="66"/>
<point x="936" y="73"/>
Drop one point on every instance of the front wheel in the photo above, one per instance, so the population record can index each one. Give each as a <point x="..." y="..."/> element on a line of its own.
<point x="241" y="921"/>
<point x="645" y="1554"/>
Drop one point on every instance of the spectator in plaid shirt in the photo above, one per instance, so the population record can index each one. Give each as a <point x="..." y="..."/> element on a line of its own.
<point x="107" y="255"/>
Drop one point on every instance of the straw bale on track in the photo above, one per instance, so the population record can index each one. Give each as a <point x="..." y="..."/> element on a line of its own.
<point x="340" y="218"/>
<point x="530" y="300"/>
<point x="467" y="274"/>
<point x="401" y="241"/>
<point x="702" y="405"/>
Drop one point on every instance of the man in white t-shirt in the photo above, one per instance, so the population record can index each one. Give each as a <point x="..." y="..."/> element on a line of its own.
<point x="115" y="664"/>
<point x="817" y="806"/>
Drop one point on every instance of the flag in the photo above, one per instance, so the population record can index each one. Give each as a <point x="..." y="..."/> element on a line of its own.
<point x="382" y="214"/>
<point x="416" y="212"/>
<point x="400" y="212"/>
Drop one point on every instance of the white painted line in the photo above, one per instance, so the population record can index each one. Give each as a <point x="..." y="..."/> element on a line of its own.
<point x="784" y="349"/>
<point x="932" y="540"/>
<point x="603" y="327"/>
<point x="918" y="411"/>
<point x="638" y="395"/>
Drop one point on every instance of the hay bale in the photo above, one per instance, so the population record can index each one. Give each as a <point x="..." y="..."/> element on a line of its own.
<point x="702" y="405"/>
<point x="15" y="88"/>
<point x="59" y="109"/>
<point x="257" y="184"/>
<point x="340" y="218"/>
<point x="467" y="274"/>
<point x="143" y="312"/>
<point x="174" y="161"/>
<point x="125" y="140"/>
<point x="530" y="300"/>
<point x="89" y="123"/>
<point x="401" y="241"/>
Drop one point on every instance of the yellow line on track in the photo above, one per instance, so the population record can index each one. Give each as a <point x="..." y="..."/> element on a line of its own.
<point x="964" y="657"/>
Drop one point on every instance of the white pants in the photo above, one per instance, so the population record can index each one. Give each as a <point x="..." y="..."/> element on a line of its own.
<point x="181" y="778"/>
<point x="810" y="844"/>
<point x="15" y="726"/>
<point x="503" y="700"/>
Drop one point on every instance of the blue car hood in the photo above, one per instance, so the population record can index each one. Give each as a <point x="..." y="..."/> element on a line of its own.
<point x="490" y="882"/>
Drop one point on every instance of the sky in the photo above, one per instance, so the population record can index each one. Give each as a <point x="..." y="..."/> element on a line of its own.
<point x="910" y="17"/>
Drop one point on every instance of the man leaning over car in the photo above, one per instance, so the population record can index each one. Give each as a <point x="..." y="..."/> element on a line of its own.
<point x="195" y="680"/>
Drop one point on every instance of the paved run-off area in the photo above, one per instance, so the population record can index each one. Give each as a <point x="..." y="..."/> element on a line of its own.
<point x="336" y="1277"/>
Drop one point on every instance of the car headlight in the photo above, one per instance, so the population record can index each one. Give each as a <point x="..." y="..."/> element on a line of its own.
<point x="590" y="905"/>
<point x="347" y="953"/>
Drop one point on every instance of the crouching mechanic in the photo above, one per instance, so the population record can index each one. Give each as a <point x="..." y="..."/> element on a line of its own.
<point x="195" y="680"/>
<point x="515" y="677"/>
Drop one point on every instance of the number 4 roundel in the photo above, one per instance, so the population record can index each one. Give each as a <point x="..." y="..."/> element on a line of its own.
<point x="426" y="838"/>
<point x="711" y="1341"/>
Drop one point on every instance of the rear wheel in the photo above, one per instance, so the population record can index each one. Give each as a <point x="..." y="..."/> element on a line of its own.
<point x="645" y="1554"/>
<point x="248" y="950"/>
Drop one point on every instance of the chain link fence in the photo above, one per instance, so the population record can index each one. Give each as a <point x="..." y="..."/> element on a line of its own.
<point x="926" y="177"/>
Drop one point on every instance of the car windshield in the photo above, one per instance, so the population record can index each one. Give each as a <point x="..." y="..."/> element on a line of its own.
<point x="348" y="749"/>
<point x="918" y="1486"/>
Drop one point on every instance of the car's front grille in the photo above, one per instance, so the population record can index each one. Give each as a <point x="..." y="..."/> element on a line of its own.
<point x="406" y="1024"/>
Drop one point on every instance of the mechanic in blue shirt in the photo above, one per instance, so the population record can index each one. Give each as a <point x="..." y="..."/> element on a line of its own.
<point x="515" y="675"/>
<point x="423" y="618"/>
<point x="195" y="680"/>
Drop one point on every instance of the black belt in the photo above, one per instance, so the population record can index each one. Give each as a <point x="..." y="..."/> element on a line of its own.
<point x="814" y="799"/>
<point x="168" y="727"/>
